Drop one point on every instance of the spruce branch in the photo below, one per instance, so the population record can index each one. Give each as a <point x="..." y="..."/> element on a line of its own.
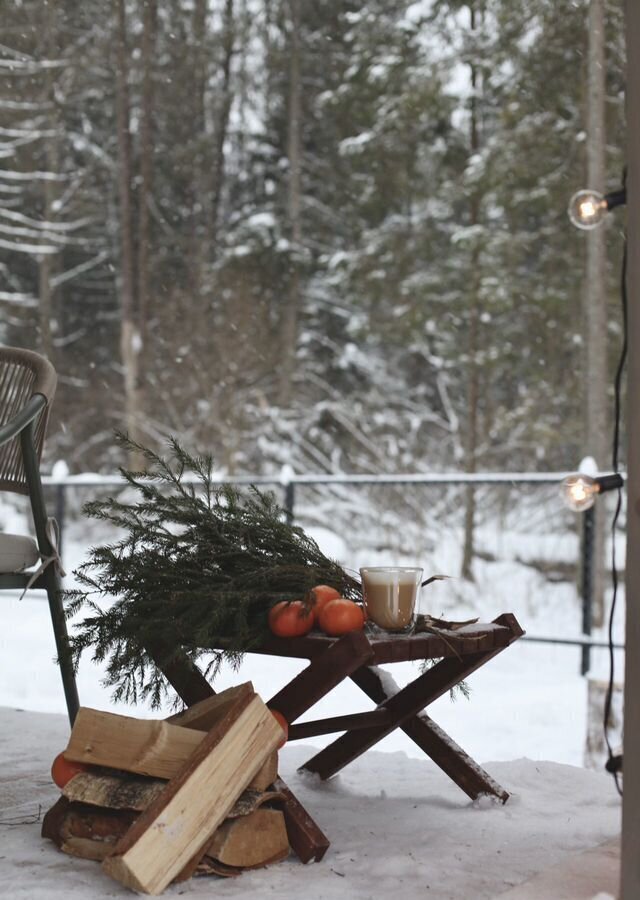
<point x="197" y="566"/>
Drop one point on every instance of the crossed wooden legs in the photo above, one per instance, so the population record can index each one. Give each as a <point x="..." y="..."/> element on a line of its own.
<point x="403" y="709"/>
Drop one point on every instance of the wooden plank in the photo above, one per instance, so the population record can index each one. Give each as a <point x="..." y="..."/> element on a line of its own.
<point x="144" y="746"/>
<point x="252" y="840"/>
<point x="266" y="775"/>
<point x="175" y="828"/>
<point x="205" y="714"/>
<point x="445" y="753"/>
<point x="307" y="840"/>
<point x="324" y="672"/>
<point x="338" y="723"/>
<point x="182" y="674"/>
<point x="404" y="705"/>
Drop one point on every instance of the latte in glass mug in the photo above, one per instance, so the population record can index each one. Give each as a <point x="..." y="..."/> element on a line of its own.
<point x="390" y="595"/>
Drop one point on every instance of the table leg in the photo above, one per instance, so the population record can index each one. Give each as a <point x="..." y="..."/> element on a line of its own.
<point x="324" y="672"/>
<point x="404" y="705"/>
<point x="436" y="743"/>
<point x="306" y="838"/>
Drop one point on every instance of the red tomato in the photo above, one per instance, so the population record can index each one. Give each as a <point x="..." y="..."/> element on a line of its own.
<point x="64" y="769"/>
<point x="282" y="722"/>
<point x="340" y="616"/>
<point x="290" y="619"/>
<point x="321" y="594"/>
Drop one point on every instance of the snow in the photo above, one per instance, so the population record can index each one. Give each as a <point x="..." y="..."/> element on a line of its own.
<point x="395" y="825"/>
<point x="395" y="821"/>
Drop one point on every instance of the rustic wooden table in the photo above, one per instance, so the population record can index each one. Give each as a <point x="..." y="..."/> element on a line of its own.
<point x="451" y="657"/>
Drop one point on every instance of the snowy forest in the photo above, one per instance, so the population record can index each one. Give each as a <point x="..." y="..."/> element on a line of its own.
<point x="327" y="234"/>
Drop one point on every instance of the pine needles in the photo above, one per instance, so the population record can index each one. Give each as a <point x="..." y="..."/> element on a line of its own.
<point x="198" y="567"/>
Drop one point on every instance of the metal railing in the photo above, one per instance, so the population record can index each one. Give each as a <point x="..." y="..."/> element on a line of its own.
<point x="288" y="482"/>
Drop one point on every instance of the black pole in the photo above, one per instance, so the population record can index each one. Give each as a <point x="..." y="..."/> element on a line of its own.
<point x="289" y="500"/>
<point x="60" y="514"/>
<point x="588" y="541"/>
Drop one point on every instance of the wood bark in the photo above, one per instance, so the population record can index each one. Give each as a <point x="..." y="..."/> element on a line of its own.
<point x="222" y="120"/>
<point x="149" y="25"/>
<point x="289" y="329"/>
<point x="630" y="889"/>
<point x="47" y="262"/>
<point x="473" y="370"/>
<point x="596" y="381"/>
<point x="129" y="332"/>
<point x="172" y="832"/>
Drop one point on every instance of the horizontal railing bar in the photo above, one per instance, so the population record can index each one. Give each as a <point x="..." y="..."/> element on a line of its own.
<point x="96" y="480"/>
<point x="572" y="642"/>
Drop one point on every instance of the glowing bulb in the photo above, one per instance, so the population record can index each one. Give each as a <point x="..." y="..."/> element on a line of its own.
<point x="587" y="209"/>
<point x="579" y="492"/>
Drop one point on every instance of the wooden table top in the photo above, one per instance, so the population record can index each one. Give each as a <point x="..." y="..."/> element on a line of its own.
<point x="389" y="647"/>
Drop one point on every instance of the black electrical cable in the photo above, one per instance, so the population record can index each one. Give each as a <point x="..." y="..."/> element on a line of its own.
<point x="614" y="763"/>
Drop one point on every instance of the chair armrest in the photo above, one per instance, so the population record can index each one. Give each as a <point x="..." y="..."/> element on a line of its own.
<point x="20" y="421"/>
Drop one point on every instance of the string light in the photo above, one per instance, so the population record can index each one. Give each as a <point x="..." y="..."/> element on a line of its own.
<point x="588" y="209"/>
<point x="579" y="491"/>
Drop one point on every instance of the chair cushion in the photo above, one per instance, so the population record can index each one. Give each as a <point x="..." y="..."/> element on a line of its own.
<point x="17" y="552"/>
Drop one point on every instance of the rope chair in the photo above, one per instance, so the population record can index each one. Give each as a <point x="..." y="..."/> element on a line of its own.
<point x="27" y="386"/>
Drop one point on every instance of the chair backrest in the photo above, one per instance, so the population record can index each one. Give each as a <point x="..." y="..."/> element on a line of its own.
<point x="23" y="373"/>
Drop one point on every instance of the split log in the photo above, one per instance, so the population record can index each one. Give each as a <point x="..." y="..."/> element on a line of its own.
<point x="152" y="747"/>
<point x="205" y="714"/>
<point x="113" y="791"/>
<point x="252" y="840"/>
<point x="173" y="831"/>
<point x="145" y="746"/>
<point x="134" y="793"/>
<point x="85" y="831"/>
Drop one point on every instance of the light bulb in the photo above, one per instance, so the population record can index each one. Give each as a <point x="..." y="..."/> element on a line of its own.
<point x="579" y="492"/>
<point x="587" y="209"/>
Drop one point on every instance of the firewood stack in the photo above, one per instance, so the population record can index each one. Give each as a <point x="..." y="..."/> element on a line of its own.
<point x="165" y="800"/>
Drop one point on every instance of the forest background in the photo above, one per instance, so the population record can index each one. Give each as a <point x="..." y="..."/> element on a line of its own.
<point x="320" y="234"/>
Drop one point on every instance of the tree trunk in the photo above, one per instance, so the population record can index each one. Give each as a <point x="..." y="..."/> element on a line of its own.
<point x="47" y="262"/>
<point x="129" y="333"/>
<point x="222" y="124"/>
<point x="471" y="435"/>
<point x="149" y="21"/>
<point x="596" y="380"/>
<point x="294" y="152"/>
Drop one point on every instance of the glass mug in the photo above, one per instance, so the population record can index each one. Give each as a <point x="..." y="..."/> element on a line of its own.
<point x="390" y="595"/>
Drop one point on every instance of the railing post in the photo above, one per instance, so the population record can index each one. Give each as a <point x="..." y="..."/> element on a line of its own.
<point x="588" y="540"/>
<point x="289" y="500"/>
<point x="60" y="514"/>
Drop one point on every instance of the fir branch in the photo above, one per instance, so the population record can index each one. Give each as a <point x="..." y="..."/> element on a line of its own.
<point x="197" y="567"/>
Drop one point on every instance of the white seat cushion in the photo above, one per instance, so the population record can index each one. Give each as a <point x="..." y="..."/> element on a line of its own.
<point x="17" y="552"/>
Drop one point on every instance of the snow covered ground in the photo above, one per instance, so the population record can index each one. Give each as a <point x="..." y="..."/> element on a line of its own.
<point x="394" y="820"/>
<point x="397" y="826"/>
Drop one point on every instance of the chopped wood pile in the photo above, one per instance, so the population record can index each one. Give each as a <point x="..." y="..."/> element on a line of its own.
<point x="162" y="801"/>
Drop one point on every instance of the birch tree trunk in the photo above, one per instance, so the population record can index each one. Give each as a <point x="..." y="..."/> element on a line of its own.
<point x="47" y="262"/>
<point x="471" y="434"/>
<point x="129" y="333"/>
<point x="294" y="152"/>
<point x="595" y="295"/>
<point x="149" y="22"/>
<point x="222" y="123"/>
